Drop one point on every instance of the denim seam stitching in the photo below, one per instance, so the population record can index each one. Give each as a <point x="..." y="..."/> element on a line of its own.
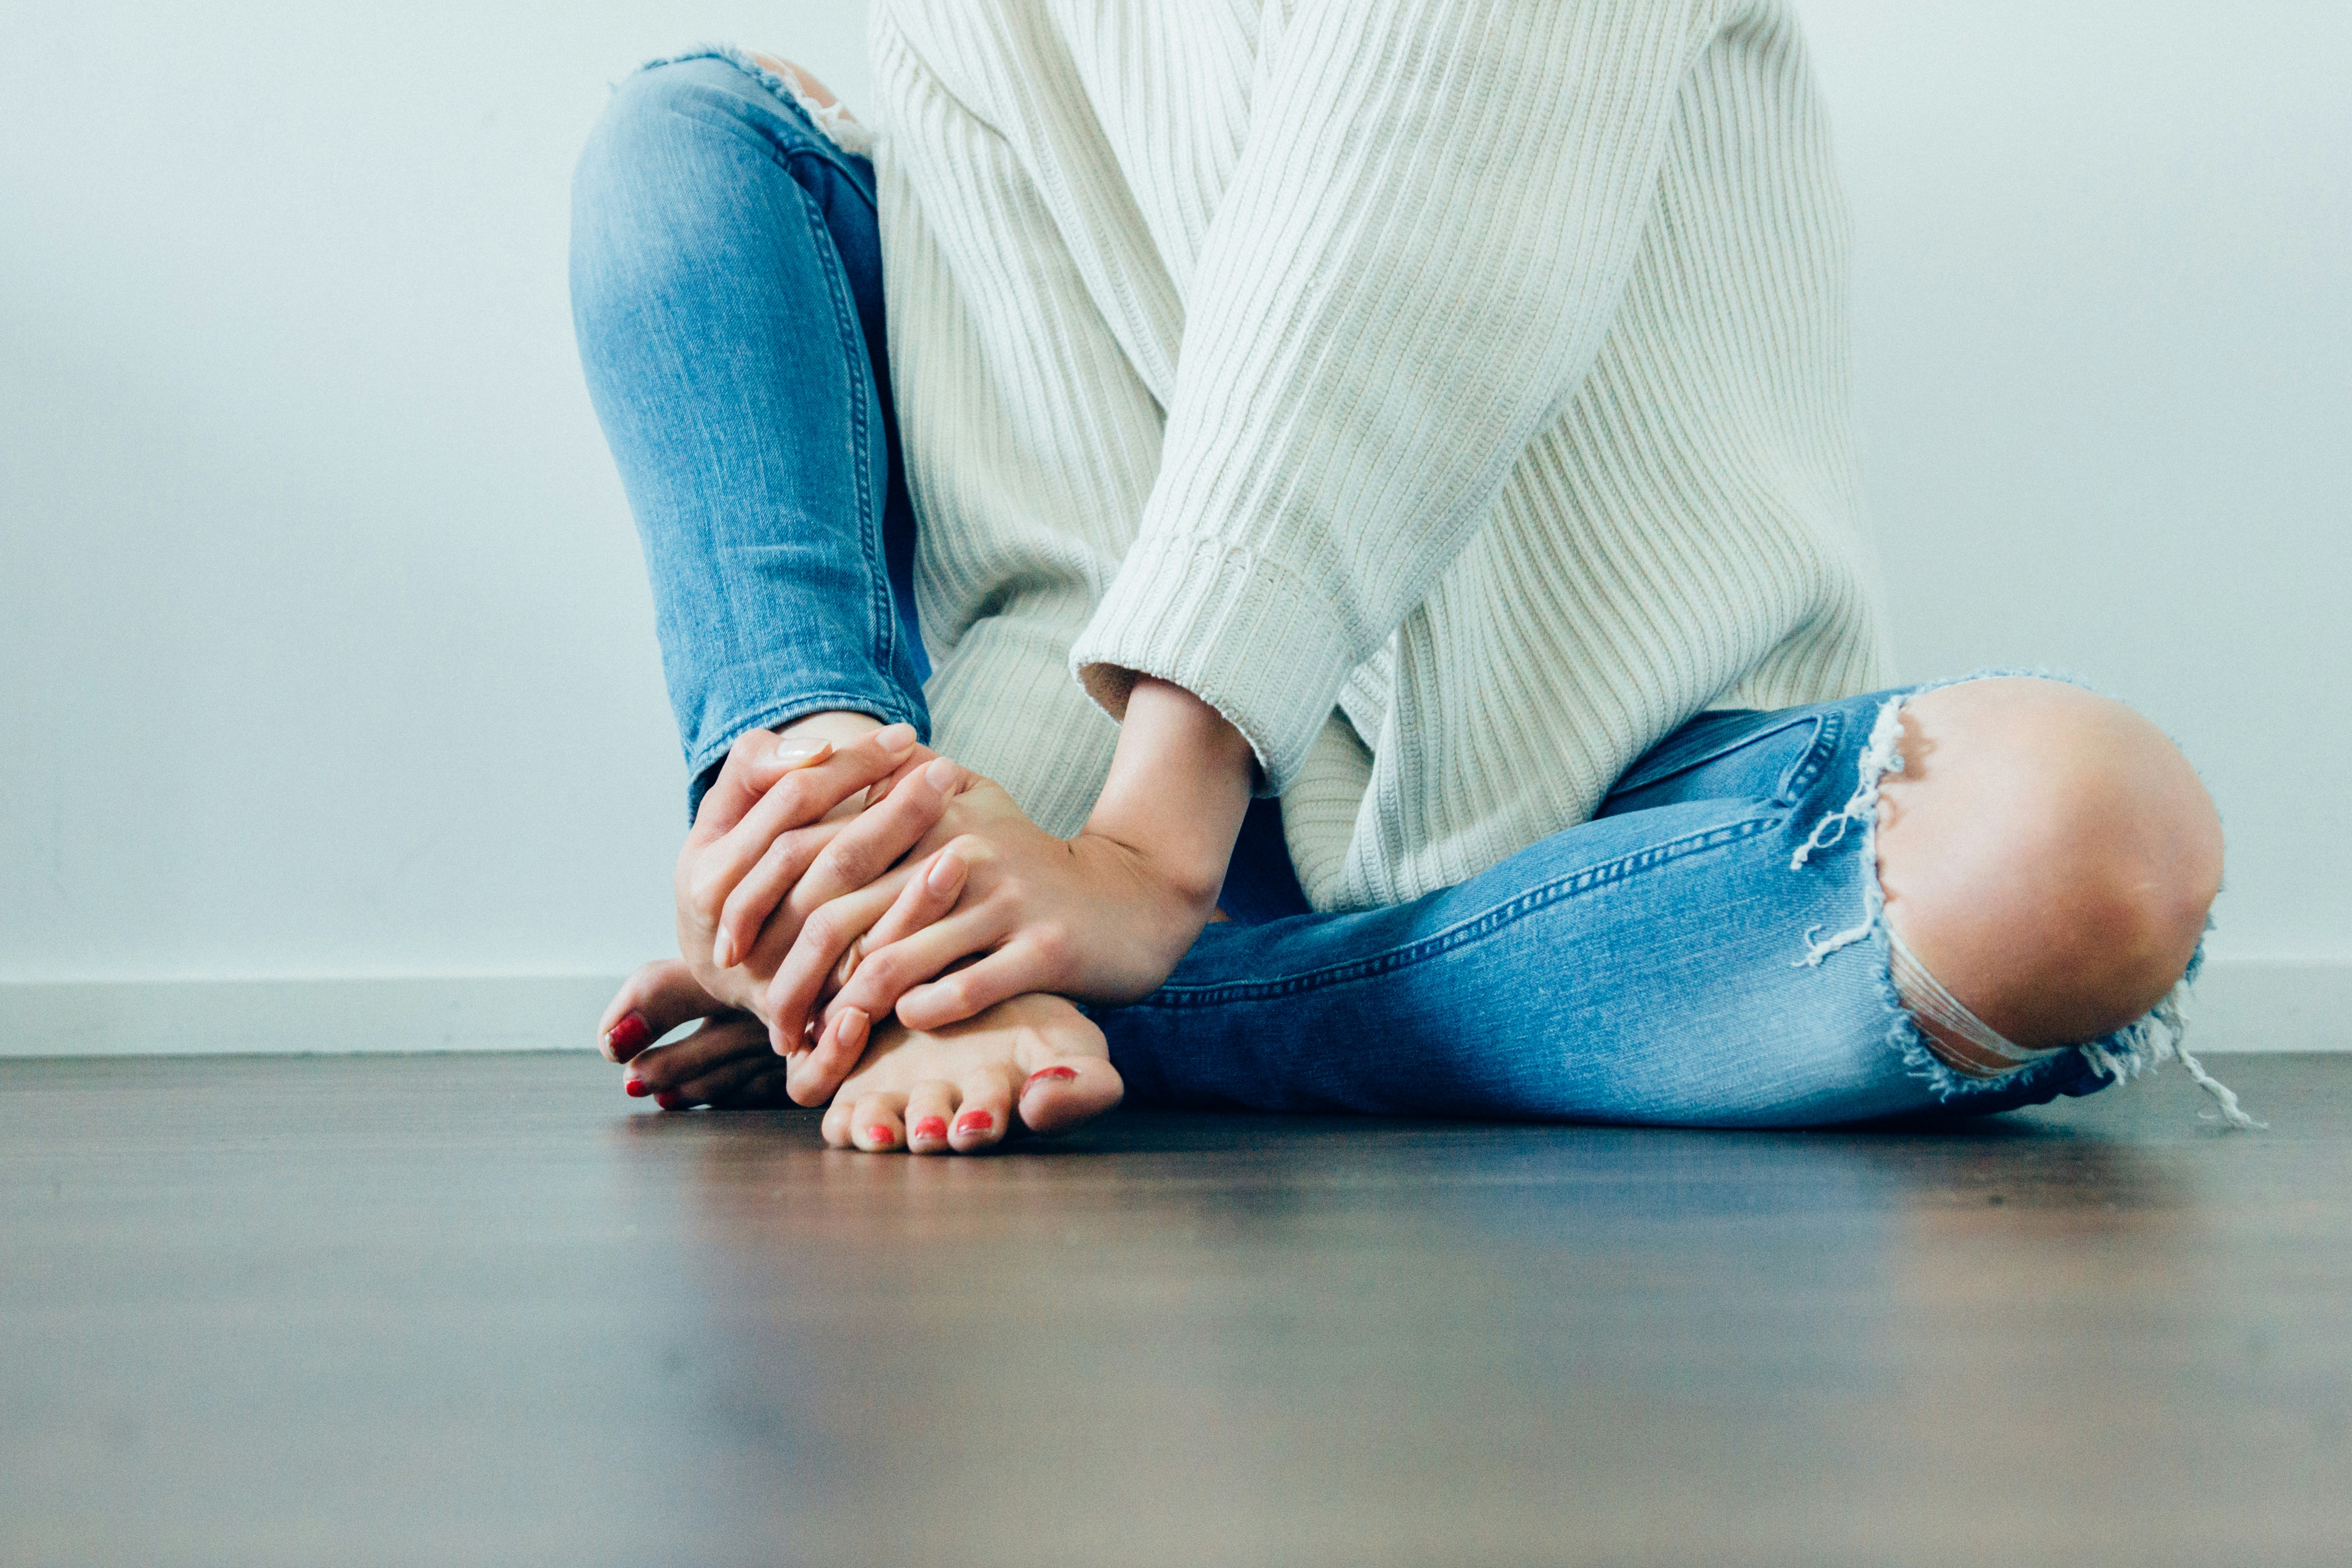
<point x="881" y="611"/>
<point x="1647" y="772"/>
<point x="1589" y="880"/>
<point x="1828" y="735"/>
<point x="881" y="614"/>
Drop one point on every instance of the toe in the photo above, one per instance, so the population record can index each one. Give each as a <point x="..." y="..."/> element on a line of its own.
<point x="986" y="1114"/>
<point x="835" y="1126"/>
<point x="761" y="1092"/>
<point x="722" y="1083"/>
<point x="931" y="1108"/>
<point x="874" y="1125"/>
<point x="1066" y="1094"/>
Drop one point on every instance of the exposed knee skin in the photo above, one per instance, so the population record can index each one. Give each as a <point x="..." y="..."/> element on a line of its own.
<point x="812" y="89"/>
<point x="2049" y="856"/>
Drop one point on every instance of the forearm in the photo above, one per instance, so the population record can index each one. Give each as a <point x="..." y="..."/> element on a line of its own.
<point x="1353" y="394"/>
<point x="1179" y="786"/>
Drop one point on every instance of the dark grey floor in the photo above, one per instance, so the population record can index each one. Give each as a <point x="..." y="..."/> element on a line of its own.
<point x="481" y="1309"/>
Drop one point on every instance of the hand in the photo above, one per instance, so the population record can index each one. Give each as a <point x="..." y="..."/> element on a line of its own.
<point x="764" y="852"/>
<point x="1088" y="918"/>
<point x="1101" y="917"/>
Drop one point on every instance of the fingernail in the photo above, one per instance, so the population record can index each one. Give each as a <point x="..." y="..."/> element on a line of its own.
<point x="945" y="870"/>
<point x="853" y="1025"/>
<point x="1056" y="1075"/>
<point x="940" y="775"/>
<point x="723" y="952"/>
<point x="669" y="1099"/>
<point x="974" y="1122"/>
<point x="895" y="738"/>
<point x="637" y="1088"/>
<point x="630" y="1033"/>
<point x="931" y="1127"/>
<point x="877" y="1133"/>
<point x="792" y="754"/>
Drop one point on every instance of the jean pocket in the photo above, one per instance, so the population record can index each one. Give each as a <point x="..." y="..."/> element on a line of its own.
<point x="1745" y="753"/>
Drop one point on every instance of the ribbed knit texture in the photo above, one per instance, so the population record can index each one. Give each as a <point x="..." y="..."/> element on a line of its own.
<point x="1454" y="394"/>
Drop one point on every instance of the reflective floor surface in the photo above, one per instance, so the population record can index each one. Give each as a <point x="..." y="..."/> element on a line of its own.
<point x="483" y="1309"/>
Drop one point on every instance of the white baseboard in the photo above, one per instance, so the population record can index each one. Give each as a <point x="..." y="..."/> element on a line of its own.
<point x="2242" y="1004"/>
<point x="2272" y="1004"/>
<point x="337" y="1017"/>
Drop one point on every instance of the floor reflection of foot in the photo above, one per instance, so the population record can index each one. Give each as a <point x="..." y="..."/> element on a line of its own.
<point x="1033" y="1063"/>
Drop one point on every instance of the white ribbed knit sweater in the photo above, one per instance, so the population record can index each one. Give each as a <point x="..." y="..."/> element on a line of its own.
<point x="1453" y="394"/>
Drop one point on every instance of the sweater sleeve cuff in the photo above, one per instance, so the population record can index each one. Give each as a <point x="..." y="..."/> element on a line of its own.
<point x="1237" y="630"/>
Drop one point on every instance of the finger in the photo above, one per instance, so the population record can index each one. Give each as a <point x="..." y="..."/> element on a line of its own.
<point x="716" y="869"/>
<point x="753" y="766"/>
<point x="711" y="873"/>
<point x="674" y="1066"/>
<point x="775" y="874"/>
<point x="873" y="1125"/>
<point x="1014" y="970"/>
<point x="817" y="947"/>
<point x="755" y="762"/>
<point x="930" y="1108"/>
<point x="720" y="1083"/>
<point x="876" y="841"/>
<point x="986" y="1115"/>
<point x="650" y="1003"/>
<point x="887" y="975"/>
<point x="929" y="896"/>
<point x="800" y="799"/>
<point x="802" y="795"/>
<point x="812" y="1077"/>
<point x="920" y="758"/>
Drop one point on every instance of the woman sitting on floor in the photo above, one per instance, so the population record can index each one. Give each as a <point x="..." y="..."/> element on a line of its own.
<point x="1364" y="494"/>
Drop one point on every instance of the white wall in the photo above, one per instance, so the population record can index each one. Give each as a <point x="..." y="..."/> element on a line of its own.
<point x="324" y="649"/>
<point x="2104" y="342"/>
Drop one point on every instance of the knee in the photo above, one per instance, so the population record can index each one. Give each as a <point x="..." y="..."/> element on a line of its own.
<point x="654" y="112"/>
<point x="2048" y="854"/>
<point x="662" y="172"/>
<point x="804" y="82"/>
<point x="651" y="113"/>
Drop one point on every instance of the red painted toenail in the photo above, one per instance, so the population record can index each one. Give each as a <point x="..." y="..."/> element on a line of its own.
<point x="669" y="1099"/>
<point x="974" y="1122"/>
<point x="629" y="1034"/>
<point x="638" y="1088"/>
<point x="877" y="1133"/>
<point x="931" y="1127"/>
<point x="1056" y="1075"/>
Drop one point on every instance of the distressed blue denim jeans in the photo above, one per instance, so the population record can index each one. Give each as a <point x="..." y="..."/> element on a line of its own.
<point x="1707" y="951"/>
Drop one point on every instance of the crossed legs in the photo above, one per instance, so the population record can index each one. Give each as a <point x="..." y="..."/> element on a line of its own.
<point x="2047" y="855"/>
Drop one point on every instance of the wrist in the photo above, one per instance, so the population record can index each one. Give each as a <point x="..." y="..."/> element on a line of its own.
<point x="1179" y="786"/>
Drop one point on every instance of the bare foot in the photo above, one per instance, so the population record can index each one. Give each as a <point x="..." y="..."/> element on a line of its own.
<point x="1033" y="1063"/>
